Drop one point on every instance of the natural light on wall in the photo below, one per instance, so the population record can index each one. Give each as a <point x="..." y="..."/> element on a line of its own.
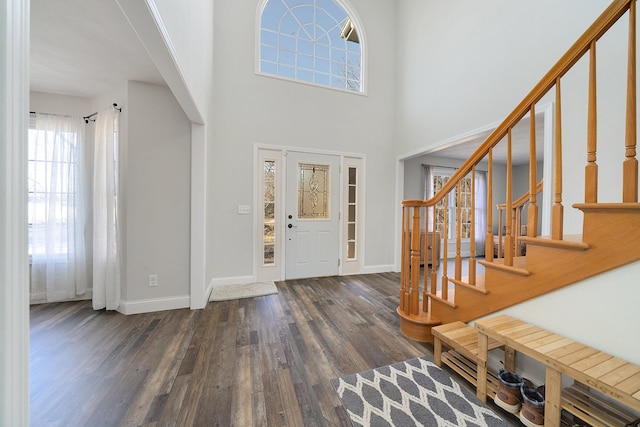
<point x="313" y="41"/>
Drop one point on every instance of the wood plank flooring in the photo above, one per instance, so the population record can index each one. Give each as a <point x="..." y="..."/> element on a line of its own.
<point x="256" y="361"/>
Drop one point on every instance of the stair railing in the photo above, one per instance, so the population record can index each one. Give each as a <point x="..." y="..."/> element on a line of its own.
<point x="420" y="215"/>
<point x="515" y="216"/>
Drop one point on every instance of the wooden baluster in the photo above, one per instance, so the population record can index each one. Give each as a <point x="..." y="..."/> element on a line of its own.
<point x="458" y="262"/>
<point x="415" y="262"/>
<point x="434" y="255"/>
<point x="500" y="253"/>
<point x="532" y="212"/>
<point x="445" y="259"/>
<point x="488" y="244"/>
<point x="517" y="222"/>
<point x="472" y="244"/>
<point x="557" y="211"/>
<point x="591" y="170"/>
<point x="508" y="238"/>
<point x="630" y="165"/>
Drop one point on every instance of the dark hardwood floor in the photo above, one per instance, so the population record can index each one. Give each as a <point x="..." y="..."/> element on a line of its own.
<point x="257" y="361"/>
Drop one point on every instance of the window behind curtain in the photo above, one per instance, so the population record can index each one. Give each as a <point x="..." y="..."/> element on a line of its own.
<point x="438" y="178"/>
<point x="53" y="193"/>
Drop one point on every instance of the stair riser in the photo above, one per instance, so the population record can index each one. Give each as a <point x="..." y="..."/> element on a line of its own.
<point x="615" y="241"/>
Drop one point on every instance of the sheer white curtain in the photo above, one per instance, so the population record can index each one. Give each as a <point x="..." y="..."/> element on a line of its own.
<point x="57" y="207"/>
<point x="106" y="239"/>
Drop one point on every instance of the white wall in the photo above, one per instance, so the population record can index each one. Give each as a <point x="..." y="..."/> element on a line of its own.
<point x="468" y="64"/>
<point x="253" y="109"/>
<point x="156" y="194"/>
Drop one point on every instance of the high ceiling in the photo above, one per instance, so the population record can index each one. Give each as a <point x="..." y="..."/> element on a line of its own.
<point x="85" y="48"/>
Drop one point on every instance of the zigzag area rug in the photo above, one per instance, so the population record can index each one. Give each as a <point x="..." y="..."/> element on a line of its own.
<point x="248" y="290"/>
<point x="411" y="393"/>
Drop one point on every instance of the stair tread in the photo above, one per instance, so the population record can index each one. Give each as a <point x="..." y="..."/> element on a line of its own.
<point x="568" y="242"/>
<point x="464" y="282"/>
<point x="518" y="267"/>
<point x="607" y="206"/>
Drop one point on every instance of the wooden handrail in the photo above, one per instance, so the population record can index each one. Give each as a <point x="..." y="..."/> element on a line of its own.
<point x="522" y="199"/>
<point x="573" y="55"/>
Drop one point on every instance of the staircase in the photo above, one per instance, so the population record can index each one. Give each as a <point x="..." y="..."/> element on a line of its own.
<point x="611" y="231"/>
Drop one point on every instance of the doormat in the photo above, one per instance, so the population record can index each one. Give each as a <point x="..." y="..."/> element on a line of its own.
<point x="247" y="290"/>
<point x="411" y="393"/>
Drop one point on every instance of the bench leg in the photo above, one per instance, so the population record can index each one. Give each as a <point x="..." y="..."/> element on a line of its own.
<point x="481" y="387"/>
<point x="437" y="351"/>
<point x="553" y="390"/>
<point x="509" y="359"/>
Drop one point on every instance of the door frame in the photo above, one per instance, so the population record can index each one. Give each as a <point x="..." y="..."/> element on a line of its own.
<point x="277" y="270"/>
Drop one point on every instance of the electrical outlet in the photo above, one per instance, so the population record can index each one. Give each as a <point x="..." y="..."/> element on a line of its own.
<point x="153" y="280"/>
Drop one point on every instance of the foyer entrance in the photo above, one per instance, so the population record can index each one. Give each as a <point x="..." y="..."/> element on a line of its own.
<point x="312" y="222"/>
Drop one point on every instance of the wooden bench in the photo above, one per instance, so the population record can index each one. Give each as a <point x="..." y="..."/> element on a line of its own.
<point x="462" y="340"/>
<point x="591" y="369"/>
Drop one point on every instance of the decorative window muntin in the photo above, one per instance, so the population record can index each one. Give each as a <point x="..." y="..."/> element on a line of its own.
<point x="352" y="213"/>
<point x="268" y="212"/>
<point x="313" y="41"/>
<point x="313" y="191"/>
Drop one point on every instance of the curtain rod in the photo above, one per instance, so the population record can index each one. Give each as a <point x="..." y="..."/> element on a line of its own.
<point x="86" y="119"/>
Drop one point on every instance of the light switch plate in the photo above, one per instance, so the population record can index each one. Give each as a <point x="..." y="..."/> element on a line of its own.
<point x="244" y="209"/>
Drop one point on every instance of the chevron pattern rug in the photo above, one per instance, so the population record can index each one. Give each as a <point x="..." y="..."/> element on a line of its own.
<point x="411" y="393"/>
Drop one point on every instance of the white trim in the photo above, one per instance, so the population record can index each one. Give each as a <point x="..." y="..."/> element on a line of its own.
<point x="354" y="266"/>
<point x="14" y="274"/>
<point x="153" y="304"/>
<point x="450" y="142"/>
<point x="198" y="249"/>
<point x="547" y="200"/>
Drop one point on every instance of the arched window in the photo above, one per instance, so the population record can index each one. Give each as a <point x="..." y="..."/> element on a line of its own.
<point x="315" y="41"/>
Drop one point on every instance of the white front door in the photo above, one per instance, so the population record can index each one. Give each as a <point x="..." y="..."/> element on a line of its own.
<point x="312" y="215"/>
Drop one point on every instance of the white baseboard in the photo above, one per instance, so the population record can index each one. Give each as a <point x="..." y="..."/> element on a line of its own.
<point x="383" y="268"/>
<point x="223" y="281"/>
<point x="155" y="304"/>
